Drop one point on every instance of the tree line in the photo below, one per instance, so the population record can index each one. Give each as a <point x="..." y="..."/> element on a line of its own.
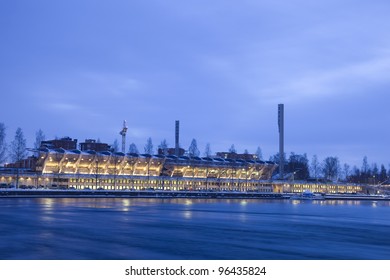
<point x="192" y="151"/>
<point x="298" y="167"/>
<point x="16" y="150"/>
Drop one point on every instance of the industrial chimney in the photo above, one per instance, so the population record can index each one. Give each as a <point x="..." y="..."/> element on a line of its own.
<point x="281" y="139"/>
<point x="177" y="138"/>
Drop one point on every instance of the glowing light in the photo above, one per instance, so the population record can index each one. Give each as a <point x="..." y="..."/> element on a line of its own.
<point x="188" y="202"/>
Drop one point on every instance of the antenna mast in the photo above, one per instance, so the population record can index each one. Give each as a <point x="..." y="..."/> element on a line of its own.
<point x="123" y="133"/>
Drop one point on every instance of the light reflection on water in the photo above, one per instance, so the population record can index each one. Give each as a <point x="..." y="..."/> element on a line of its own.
<point x="116" y="228"/>
<point x="187" y="214"/>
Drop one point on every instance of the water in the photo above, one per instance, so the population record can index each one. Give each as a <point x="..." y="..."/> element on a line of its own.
<point x="117" y="228"/>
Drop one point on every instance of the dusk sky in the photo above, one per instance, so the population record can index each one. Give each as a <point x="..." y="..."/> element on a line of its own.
<point x="78" y="68"/>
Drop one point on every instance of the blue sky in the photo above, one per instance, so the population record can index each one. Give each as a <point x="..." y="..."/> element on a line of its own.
<point x="79" y="68"/>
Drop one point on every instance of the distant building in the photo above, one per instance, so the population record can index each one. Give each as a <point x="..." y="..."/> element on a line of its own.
<point x="234" y="156"/>
<point x="91" y="144"/>
<point x="27" y="163"/>
<point x="172" y="151"/>
<point x="66" y="143"/>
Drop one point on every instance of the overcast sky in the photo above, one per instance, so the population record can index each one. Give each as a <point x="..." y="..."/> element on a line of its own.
<point x="78" y="68"/>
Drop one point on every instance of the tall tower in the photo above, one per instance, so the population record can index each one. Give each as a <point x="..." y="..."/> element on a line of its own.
<point x="281" y="139"/>
<point x="177" y="132"/>
<point x="123" y="133"/>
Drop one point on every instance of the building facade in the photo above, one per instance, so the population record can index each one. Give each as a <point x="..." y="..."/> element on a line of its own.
<point x="66" y="143"/>
<point x="75" y="169"/>
<point x="93" y="145"/>
<point x="60" y="168"/>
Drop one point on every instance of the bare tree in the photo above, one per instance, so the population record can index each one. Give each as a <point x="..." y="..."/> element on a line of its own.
<point x="382" y="174"/>
<point x="207" y="150"/>
<point x="365" y="172"/>
<point x="149" y="146"/>
<point x="276" y="158"/>
<point x="3" y="144"/>
<point x="18" y="146"/>
<point x="374" y="173"/>
<point x="193" y="150"/>
<point x="315" y="167"/>
<point x="331" y="168"/>
<point x="365" y="166"/>
<point x="259" y="153"/>
<point x="163" y="147"/>
<point x="347" y="171"/>
<point x="298" y="165"/>
<point x="18" y="150"/>
<point x="39" y="137"/>
<point x="115" y="146"/>
<point x="232" y="149"/>
<point x="133" y="149"/>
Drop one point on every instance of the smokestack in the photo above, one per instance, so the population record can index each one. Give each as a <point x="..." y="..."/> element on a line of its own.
<point x="281" y="139"/>
<point x="177" y="132"/>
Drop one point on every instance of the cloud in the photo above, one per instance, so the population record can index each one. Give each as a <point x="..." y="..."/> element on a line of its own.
<point x="356" y="78"/>
<point x="62" y="107"/>
<point x="293" y="75"/>
<point x="219" y="67"/>
<point x="109" y="84"/>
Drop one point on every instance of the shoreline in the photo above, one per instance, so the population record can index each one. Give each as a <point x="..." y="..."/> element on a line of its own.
<point x="135" y="194"/>
<point x="12" y="193"/>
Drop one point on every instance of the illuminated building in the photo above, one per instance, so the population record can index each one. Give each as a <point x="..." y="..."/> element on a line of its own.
<point x="117" y="171"/>
<point x="58" y="164"/>
<point x="60" y="168"/>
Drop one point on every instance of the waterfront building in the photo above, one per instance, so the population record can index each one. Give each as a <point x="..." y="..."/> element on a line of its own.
<point x="60" y="168"/>
<point x="58" y="164"/>
<point x="75" y="169"/>
<point x="323" y="187"/>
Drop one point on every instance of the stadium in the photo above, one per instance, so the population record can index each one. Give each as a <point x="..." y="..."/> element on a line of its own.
<point x="58" y="164"/>
<point x="118" y="171"/>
